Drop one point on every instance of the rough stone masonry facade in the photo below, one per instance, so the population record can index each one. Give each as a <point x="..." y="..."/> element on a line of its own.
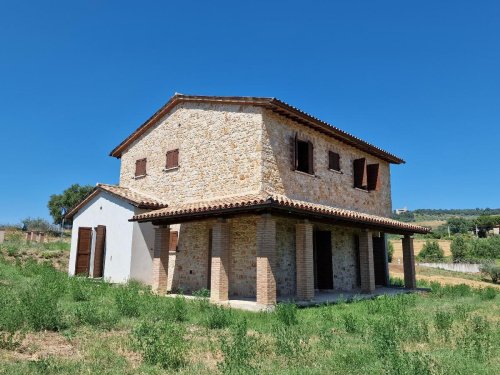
<point x="227" y="150"/>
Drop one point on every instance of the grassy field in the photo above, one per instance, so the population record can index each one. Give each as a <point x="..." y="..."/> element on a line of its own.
<point x="52" y="324"/>
<point x="417" y="246"/>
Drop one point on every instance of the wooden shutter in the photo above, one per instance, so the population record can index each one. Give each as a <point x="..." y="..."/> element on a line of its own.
<point x="333" y="161"/>
<point x="140" y="167"/>
<point x="100" y="246"/>
<point x="83" y="251"/>
<point x="310" y="154"/>
<point x="172" y="159"/>
<point x="294" y="160"/>
<point x="174" y="236"/>
<point x="372" y="172"/>
<point x="359" y="171"/>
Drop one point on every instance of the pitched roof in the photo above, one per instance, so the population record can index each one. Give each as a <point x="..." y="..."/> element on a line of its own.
<point x="279" y="202"/>
<point x="133" y="197"/>
<point x="274" y="105"/>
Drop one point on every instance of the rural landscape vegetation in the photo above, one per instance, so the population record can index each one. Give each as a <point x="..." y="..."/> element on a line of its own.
<point x="52" y="323"/>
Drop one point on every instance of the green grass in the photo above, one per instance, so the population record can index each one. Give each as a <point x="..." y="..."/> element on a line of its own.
<point x="129" y="330"/>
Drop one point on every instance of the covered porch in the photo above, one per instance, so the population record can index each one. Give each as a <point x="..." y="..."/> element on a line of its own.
<point x="283" y="261"/>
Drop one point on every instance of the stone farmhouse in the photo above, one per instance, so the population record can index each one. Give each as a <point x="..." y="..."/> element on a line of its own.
<point x="248" y="197"/>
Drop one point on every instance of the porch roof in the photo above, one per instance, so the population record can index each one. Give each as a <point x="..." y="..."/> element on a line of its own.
<point x="278" y="203"/>
<point x="133" y="197"/>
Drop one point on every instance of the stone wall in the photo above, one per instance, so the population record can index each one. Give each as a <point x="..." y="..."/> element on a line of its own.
<point x="219" y="153"/>
<point x="325" y="187"/>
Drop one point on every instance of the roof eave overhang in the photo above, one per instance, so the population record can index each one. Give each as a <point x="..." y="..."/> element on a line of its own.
<point x="279" y="210"/>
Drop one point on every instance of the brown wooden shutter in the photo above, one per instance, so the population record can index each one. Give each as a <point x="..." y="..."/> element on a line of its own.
<point x="172" y="159"/>
<point x="294" y="160"/>
<point x="359" y="171"/>
<point x="372" y="176"/>
<point x="174" y="235"/>
<point x="100" y="246"/>
<point x="83" y="251"/>
<point x="310" y="154"/>
<point x="140" y="167"/>
<point x="333" y="161"/>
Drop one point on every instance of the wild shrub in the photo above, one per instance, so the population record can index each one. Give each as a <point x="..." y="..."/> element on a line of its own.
<point x="459" y="249"/>
<point x="490" y="270"/>
<point x="477" y="339"/>
<point x="238" y="350"/>
<point x="96" y="314"/>
<point x="286" y="313"/>
<point x="202" y="293"/>
<point x="127" y="300"/>
<point x="161" y="343"/>
<point x="461" y="312"/>
<point x="390" y="251"/>
<point x="290" y="342"/>
<point x="11" y="311"/>
<point x="414" y="363"/>
<point x="431" y="252"/>
<point x="396" y="281"/>
<point x="79" y="288"/>
<point x="416" y="330"/>
<point x="179" y="309"/>
<point x="443" y="321"/>
<point x="488" y="293"/>
<point x="217" y="317"/>
<point x="352" y="324"/>
<point x="385" y="337"/>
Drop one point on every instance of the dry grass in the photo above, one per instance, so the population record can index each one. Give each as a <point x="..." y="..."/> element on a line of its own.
<point x="418" y="245"/>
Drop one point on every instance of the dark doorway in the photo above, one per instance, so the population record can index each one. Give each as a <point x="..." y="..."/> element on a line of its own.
<point x="82" y="263"/>
<point x="358" y="264"/>
<point x="100" y="249"/>
<point x="323" y="260"/>
<point x="209" y="264"/>
<point x="380" y="260"/>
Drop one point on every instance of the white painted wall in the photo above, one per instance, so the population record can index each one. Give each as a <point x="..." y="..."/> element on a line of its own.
<point x="142" y="251"/>
<point x="114" y="213"/>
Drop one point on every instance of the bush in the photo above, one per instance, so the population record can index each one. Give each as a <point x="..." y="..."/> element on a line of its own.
<point x="431" y="252"/>
<point x="217" y="317"/>
<point x="80" y="289"/>
<point x="477" y="340"/>
<point x="286" y="313"/>
<point x="95" y="313"/>
<point x="179" y="309"/>
<point x="202" y="302"/>
<point x="390" y="251"/>
<point x="290" y="342"/>
<point x="492" y="270"/>
<point x="127" y="300"/>
<point x="488" y="293"/>
<point x="161" y="343"/>
<point x="443" y="321"/>
<point x="238" y="350"/>
<point x="459" y="249"/>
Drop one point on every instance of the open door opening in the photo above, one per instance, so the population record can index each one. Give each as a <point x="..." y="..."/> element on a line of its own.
<point x="82" y="263"/>
<point x="380" y="260"/>
<point x="100" y="251"/>
<point x="323" y="260"/>
<point x="209" y="264"/>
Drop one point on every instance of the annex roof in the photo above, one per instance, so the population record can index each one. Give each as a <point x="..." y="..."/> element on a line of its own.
<point x="133" y="197"/>
<point x="281" y="203"/>
<point x="274" y="105"/>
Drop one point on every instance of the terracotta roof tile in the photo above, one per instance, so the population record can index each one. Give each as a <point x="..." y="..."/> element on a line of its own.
<point x="133" y="197"/>
<point x="277" y="201"/>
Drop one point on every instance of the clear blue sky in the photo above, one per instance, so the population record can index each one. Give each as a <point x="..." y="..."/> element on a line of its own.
<point x="420" y="79"/>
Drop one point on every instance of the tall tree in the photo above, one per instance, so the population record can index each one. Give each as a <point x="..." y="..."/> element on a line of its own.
<point x="68" y="199"/>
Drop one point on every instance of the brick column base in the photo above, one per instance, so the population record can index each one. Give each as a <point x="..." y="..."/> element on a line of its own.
<point x="219" y="287"/>
<point x="160" y="259"/>
<point x="409" y="263"/>
<point x="304" y="261"/>
<point x="367" y="270"/>
<point x="266" y="260"/>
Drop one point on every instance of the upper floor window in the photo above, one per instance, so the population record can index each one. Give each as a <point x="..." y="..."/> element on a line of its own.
<point x="172" y="159"/>
<point x="333" y="161"/>
<point x="140" y="167"/>
<point x="365" y="175"/>
<point x="302" y="155"/>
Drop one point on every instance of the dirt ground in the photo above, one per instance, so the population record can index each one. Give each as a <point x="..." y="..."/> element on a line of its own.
<point x="396" y="270"/>
<point x="417" y="245"/>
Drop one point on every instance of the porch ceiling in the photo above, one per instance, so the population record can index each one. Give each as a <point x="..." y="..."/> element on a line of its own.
<point x="278" y="204"/>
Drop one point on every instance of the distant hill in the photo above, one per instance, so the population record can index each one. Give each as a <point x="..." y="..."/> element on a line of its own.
<point x="427" y="214"/>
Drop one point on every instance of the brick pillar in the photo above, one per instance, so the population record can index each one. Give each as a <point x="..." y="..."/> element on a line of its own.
<point x="409" y="262"/>
<point x="219" y="288"/>
<point x="304" y="260"/>
<point x="367" y="270"/>
<point x="266" y="260"/>
<point x="160" y="258"/>
<point x="28" y="236"/>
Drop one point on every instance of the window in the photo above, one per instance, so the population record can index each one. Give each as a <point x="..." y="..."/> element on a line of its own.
<point x="365" y="176"/>
<point x="172" y="159"/>
<point x="302" y="155"/>
<point x="333" y="161"/>
<point x="140" y="167"/>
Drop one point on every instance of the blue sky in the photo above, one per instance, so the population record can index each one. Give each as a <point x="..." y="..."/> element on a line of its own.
<point x="420" y="79"/>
